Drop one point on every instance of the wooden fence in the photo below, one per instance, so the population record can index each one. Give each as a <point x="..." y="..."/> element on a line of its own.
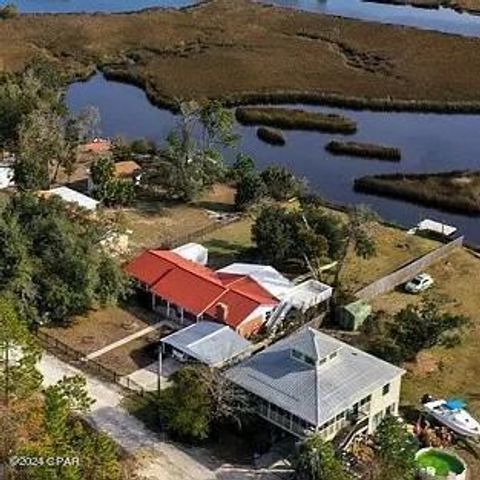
<point x="173" y="242"/>
<point x="92" y="366"/>
<point x="407" y="272"/>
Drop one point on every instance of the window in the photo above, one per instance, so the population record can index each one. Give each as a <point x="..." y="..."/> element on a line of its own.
<point x="332" y="355"/>
<point x="302" y="357"/>
<point x="365" y="400"/>
<point x="386" y="389"/>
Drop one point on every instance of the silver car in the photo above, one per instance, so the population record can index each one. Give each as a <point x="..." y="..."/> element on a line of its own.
<point x="420" y="283"/>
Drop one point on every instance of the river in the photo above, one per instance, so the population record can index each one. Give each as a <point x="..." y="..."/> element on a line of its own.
<point x="442" y="19"/>
<point x="429" y="143"/>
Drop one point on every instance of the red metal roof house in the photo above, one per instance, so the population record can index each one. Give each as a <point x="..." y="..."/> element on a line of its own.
<point x="191" y="292"/>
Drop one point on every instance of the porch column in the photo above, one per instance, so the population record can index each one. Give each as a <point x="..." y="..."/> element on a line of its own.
<point x="168" y="309"/>
<point x="154" y="301"/>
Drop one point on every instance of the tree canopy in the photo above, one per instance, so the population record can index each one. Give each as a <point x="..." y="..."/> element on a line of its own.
<point x="416" y="328"/>
<point x="302" y="236"/>
<point x="395" y="450"/>
<point x="281" y="184"/>
<point x="36" y="127"/>
<point x="45" y="424"/>
<point x="316" y="460"/>
<point x="193" y="157"/>
<point x="110" y="190"/>
<point x="199" y="399"/>
<point x="50" y="260"/>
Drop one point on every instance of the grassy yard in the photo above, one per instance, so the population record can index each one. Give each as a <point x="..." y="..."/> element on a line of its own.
<point x="447" y="372"/>
<point x="229" y="244"/>
<point x="441" y="372"/>
<point x="394" y="249"/>
<point x="153" y="222"/>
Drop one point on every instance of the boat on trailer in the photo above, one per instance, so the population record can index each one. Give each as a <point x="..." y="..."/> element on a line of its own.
<point x="452" y="414"/>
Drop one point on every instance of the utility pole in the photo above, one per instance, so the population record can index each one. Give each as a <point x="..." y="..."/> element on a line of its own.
<point x="159" y="381"/>
<point x="159" y="369"/>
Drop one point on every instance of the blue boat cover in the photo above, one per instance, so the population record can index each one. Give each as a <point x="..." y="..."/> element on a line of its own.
<point x="455" y="404"/>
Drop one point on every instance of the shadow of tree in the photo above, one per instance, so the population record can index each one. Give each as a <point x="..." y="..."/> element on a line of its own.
<point x="215" y="206"/>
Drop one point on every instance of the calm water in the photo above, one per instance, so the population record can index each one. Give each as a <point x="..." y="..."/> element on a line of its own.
<point x="429" y="143"/>
<point x="443" y="19"/>
<point x="64" y="6"/>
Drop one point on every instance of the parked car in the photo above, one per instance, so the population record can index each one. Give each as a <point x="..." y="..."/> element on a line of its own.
<point x="420" y="283"/>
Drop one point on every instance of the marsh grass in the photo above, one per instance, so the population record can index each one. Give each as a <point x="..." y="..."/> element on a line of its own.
<point x="295" y="119"/>
<point x="271" y="136"/>
<point x="457" y="191"/>
<point x="367" y="150"/>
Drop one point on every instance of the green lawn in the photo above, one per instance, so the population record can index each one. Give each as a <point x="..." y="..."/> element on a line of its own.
<point x="230" y="244"/>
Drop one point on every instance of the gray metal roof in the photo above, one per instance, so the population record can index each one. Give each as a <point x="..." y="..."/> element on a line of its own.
<point x="208" y="342"/>
<point x="313" y="393"/>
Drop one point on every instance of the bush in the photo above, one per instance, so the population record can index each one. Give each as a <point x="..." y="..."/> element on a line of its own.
<point x="9" y="11"/>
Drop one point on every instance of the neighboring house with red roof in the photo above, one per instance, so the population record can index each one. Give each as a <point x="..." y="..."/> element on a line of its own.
<point x="98" y="146"/>
<point x="243" y="296"/>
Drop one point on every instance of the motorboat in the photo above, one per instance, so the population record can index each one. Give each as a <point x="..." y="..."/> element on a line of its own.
<point x="453" y="415"/>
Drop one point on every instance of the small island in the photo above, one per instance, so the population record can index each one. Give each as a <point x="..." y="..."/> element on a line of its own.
<point x="457" y="191"/>
<point x="271" y="136"/>
<point x="295" y="119"/>
<point x="364" y="150"/>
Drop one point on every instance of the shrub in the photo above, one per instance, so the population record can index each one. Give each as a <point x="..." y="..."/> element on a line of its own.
<point x="9" y="11"/>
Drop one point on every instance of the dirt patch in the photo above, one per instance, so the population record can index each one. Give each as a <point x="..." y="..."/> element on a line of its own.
<point x="134" y="355"/>
<point x="424" y="364"/>
<point x="241" y="50"/>
<point x="152" y="223"/>
<point x="96" y="330"/>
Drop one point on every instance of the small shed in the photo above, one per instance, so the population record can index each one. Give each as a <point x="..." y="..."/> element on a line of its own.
<point x="353" y="315"/>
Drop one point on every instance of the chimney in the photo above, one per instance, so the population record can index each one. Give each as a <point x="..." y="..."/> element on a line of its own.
<point x="221" y="312"/>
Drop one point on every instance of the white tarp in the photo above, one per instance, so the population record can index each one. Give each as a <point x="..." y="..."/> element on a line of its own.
<point x="269" y="278"/>
<point x="194" y="252"/>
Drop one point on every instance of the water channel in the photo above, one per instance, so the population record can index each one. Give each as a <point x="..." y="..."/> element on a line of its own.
<point x="429" y="143"/>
